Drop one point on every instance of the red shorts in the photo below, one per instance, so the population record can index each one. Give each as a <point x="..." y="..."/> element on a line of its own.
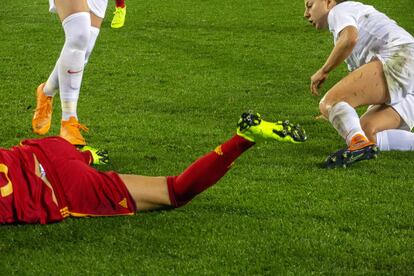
<point x="80" y="189"/>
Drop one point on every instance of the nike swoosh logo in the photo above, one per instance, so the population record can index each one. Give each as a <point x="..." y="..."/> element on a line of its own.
<point x="356" y="157"/>
<point x="74" y="72"/>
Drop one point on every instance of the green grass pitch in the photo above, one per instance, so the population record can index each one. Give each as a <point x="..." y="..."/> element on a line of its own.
<point x="169" y="87"/>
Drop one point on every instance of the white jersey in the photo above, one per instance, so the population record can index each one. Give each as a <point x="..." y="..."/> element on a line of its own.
<point x="378" y="34"/>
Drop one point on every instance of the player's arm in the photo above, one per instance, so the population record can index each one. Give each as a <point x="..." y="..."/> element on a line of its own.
<point x="348" y="38"/>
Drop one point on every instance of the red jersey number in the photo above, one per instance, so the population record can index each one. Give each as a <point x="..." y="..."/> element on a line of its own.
<point x="7" y="189"/>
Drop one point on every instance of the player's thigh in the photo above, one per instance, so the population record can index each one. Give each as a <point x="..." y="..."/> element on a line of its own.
<point x="364" y="86"/>
<point x="379" y="118"/>
<point x="96" y="21"/>
<point x="149" y="193"/>
<point x="65" y="8"/>
<point x="90" y="192"/>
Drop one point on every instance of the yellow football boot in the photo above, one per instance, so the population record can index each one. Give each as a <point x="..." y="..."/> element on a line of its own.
<point x="118" y="20"/>
<point x="253" y="128"/>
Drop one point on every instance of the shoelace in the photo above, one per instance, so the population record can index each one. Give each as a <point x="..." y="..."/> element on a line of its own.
<point x="118" y="11"/>
<point x="80" y="126"/>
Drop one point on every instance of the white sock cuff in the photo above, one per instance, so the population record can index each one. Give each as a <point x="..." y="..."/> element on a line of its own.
<point x="382" y="141"/>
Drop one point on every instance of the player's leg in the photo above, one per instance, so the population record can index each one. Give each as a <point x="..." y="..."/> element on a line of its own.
<point x="152" y="193"/>
<point x="52" y="84"/>
<point x="118" y="20"/>
<point x="364" y="86"/>
<point x="70" y="129"/>
<point x="149" y="193"/>
<point x="379" y="118"/>
<point x="97" y="9"/>
<point x="76" y="23"/>
<point x="96" y="23"/>
<point x="68" y="71"/>
<point x="385" y="126"/>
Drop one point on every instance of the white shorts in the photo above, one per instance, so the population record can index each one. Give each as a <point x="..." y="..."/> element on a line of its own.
<point x="97" y="7"/>
<point x="398" y="64"/>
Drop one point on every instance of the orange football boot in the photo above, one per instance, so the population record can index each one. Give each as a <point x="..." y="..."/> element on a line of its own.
<point x="70" y="131"/>
<point x="358" y="142"/>
<point x="43" y="113"/>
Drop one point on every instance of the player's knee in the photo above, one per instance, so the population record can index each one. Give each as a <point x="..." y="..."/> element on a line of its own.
<point x="77" y="30"/>
<point x="325" y="107"/>
<point x="79" y="40"/>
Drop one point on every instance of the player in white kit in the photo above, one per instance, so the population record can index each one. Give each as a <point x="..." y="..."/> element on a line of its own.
<point x="81" y="21"/>
<point x="380" y="57"/>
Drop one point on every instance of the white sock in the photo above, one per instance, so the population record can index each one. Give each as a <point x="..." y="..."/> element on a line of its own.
<point x="52" y="83"/>
<point x="395" y="139"/>
<point x="345" y="120"/>
<point x="69" y="109"/>
<point x="72" y="61"/>
<point x="91" y="44"/>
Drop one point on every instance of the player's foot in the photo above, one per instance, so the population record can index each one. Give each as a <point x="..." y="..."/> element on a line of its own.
<point x="99" y="157"/>
<point x="70" y="131"/>
<point x="253" y="128"/>
<point x="360" y="149"/>
<point x="118" y="20"/>
<point x="43" y="113"/>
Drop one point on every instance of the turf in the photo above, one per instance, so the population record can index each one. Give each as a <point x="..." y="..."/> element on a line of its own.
<point x="169" y="87"/>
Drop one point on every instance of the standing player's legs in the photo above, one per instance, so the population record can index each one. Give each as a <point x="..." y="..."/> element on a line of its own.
<point x="364" y="86"/>
<point x="81" y="31"/>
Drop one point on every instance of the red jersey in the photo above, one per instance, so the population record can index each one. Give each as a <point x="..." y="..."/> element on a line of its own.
<point x="23" y="193"/>
<point x="46" y="180"/>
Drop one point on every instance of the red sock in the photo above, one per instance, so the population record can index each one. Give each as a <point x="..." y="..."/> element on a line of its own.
<point x="206" y="171"/>
<point x="120" y="3"/>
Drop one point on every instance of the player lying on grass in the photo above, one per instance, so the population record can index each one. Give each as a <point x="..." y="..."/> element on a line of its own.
<point x="380" y="56"/>
<point x="46" y="180"/>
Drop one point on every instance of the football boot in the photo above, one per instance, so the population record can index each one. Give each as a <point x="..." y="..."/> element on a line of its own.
<point x="99" y="157"/>
<point x="43" y="113"/>
<point x="118" y="20"/>
<point x="360" y="149"/>
<point x="70" y="131"/>
<point x="253" y="128"/>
